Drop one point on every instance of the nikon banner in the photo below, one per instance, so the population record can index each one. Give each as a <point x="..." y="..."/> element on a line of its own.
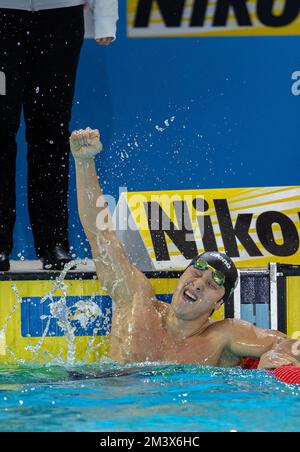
<point x="158" y="18"/>
<point x="255" y="226"/>
<point x="190" y="113"/>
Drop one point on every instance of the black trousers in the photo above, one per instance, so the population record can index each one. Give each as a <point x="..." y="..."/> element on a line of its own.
<point x="39" y="55"/>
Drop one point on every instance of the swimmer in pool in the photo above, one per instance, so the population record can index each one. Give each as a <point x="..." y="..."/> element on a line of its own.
<point x="145" y="329"/>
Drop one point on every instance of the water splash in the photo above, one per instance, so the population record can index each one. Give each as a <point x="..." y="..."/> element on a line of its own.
<point x="84" y="312"/>
<point x="167" y="124"/>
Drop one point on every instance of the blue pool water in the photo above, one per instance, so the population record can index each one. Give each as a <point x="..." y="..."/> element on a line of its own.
<point x="110" y="397"/>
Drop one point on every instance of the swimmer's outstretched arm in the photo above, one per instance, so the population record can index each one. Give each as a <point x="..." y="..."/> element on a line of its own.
<point x="118" y="276"/>
<point x="272" y="347"/>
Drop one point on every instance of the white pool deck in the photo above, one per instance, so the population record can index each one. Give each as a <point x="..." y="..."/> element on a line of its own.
<point x="36" y="267"/>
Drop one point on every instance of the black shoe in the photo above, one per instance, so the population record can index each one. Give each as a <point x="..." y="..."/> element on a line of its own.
<point x="4" y="262"/>
<point x="56" y="258"/>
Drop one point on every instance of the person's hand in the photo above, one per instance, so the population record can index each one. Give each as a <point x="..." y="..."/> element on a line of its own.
<point x="104" y="41"/>
<point x="85" y="144"/>
<point x="273" y="360"/>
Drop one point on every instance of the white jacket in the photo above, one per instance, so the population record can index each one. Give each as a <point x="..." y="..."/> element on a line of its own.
<point x="105" y="12"/>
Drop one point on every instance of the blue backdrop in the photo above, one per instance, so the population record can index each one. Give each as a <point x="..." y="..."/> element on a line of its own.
<point x="232" y="118"/>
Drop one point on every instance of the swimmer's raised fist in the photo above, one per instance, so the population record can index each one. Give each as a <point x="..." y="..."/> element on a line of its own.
<point x="85" y="144"/>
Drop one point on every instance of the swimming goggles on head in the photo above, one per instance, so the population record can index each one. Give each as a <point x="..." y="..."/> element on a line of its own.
<point x="218" y="277"/>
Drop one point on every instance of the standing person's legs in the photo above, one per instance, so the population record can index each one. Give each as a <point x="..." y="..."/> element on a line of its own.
<point x="55" y="49"/>
<point x="13" y="32"/>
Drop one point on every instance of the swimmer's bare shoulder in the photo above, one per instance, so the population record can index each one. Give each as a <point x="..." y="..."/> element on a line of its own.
<point x="243" y="339"/>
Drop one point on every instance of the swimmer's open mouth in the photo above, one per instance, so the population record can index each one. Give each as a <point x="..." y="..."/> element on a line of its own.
<point x="189" y="296"/>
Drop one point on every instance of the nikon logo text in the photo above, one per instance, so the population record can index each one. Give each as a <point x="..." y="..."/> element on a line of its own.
<point x="213" y="17"/>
